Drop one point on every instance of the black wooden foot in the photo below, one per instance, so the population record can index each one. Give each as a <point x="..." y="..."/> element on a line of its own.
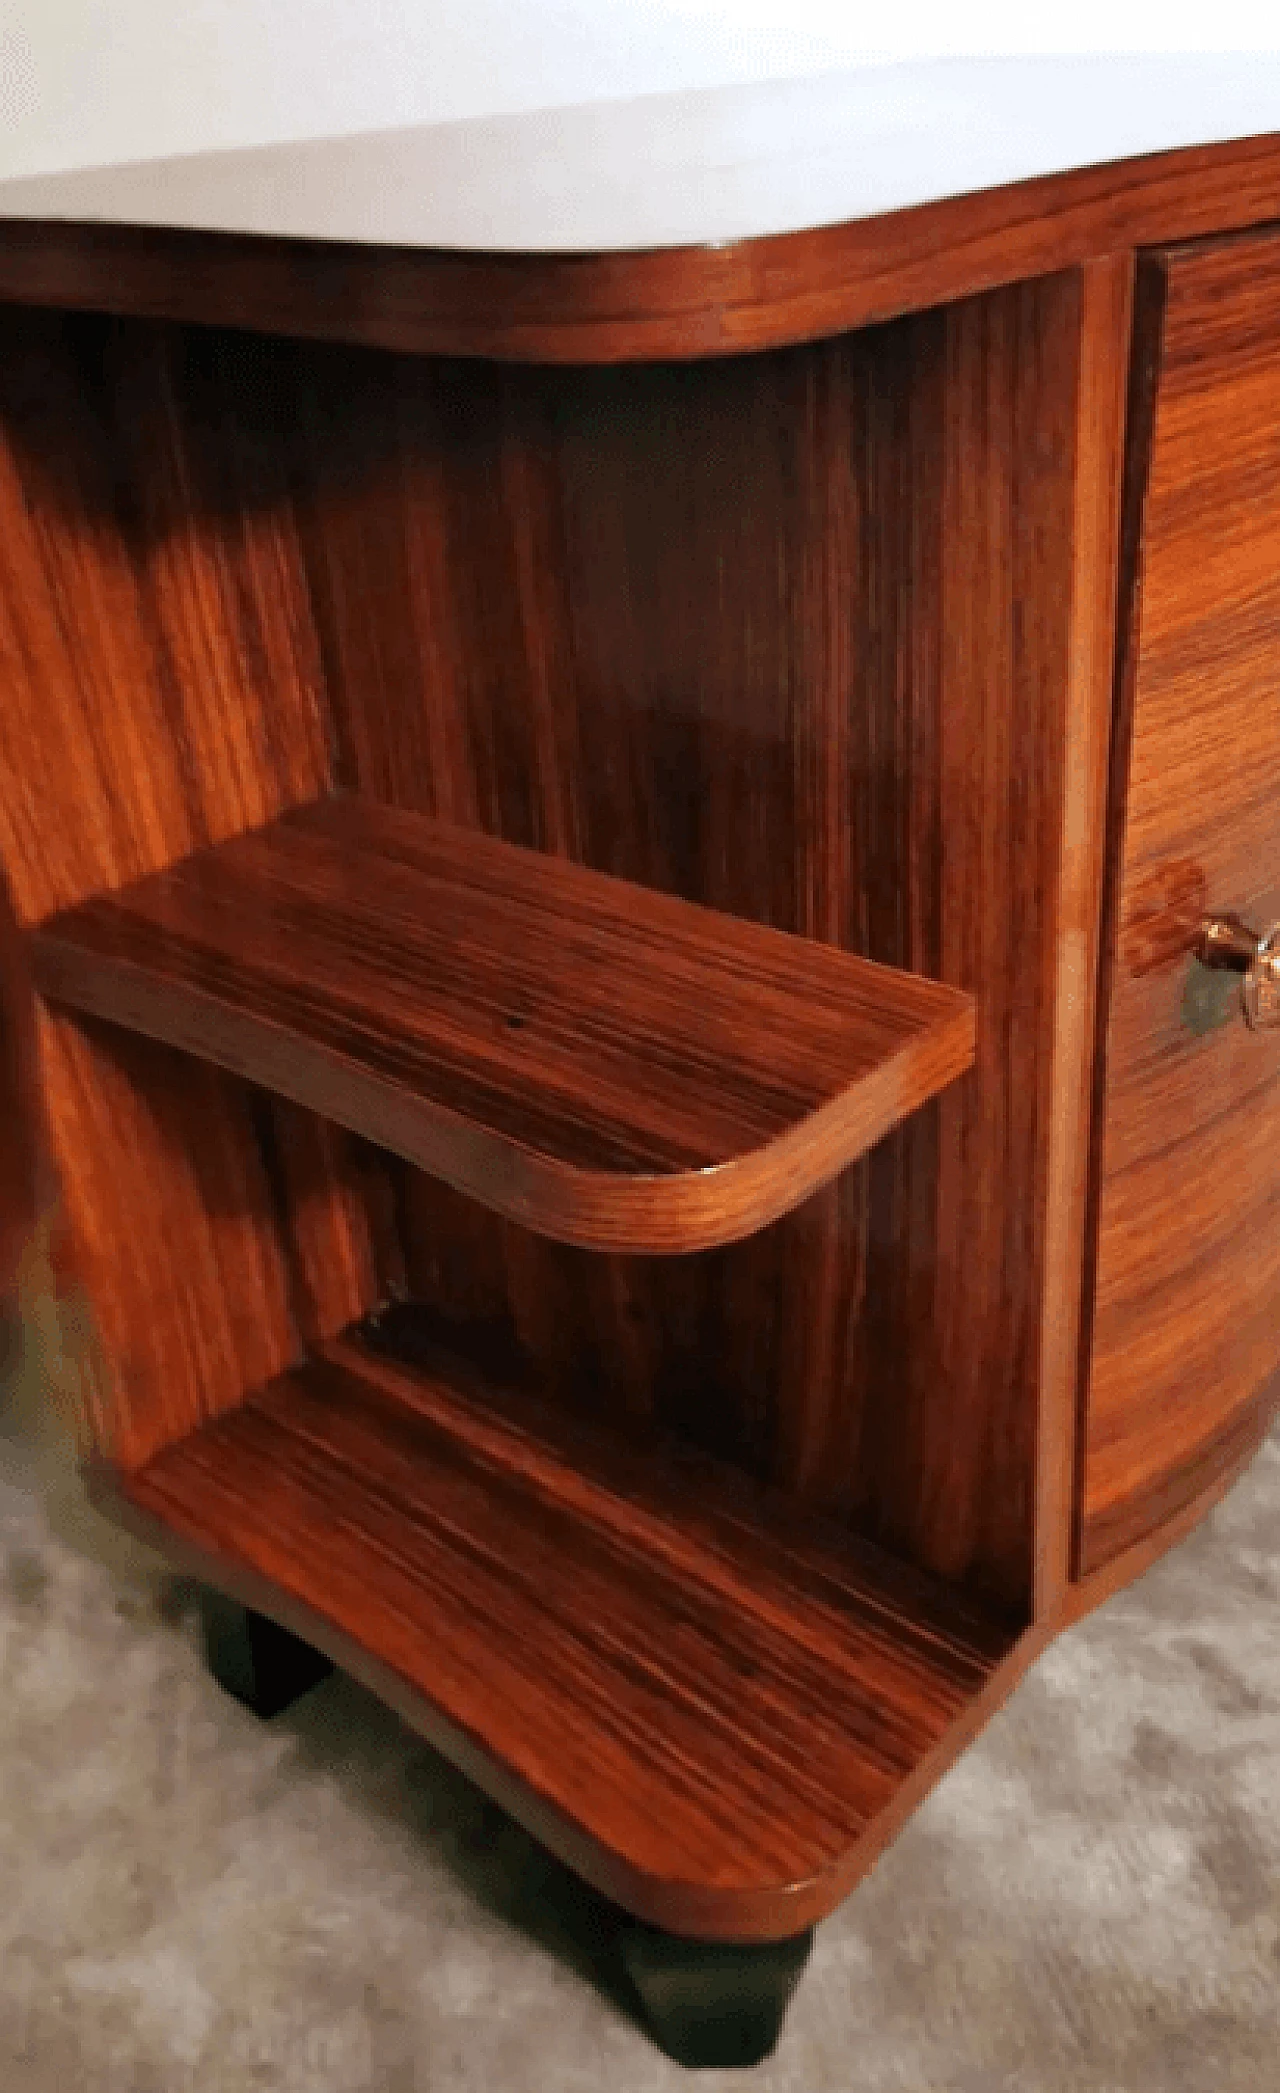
<point x="254" y="1659"/>
<point x="713" y="2004"/>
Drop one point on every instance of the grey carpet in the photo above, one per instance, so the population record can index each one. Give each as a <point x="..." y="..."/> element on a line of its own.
<point x="193" y="1903"/>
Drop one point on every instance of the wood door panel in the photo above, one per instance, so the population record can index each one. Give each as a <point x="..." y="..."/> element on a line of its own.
<point x="1186" y="1339"/>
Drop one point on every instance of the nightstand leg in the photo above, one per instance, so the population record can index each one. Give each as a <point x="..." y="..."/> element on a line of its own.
<point x="254" y="1659"/>
<point x="713" y="2004"/>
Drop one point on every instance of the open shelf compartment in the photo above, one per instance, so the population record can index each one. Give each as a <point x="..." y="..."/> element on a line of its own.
<point x="606" y="1064"/>
<point x="701" y="1697"/>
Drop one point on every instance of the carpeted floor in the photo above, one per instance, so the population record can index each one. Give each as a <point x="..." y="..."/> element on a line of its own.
<point x="193" y="1903"/>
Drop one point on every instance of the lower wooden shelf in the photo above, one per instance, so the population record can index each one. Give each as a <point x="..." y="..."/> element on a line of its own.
<point x="701" y="1698"/>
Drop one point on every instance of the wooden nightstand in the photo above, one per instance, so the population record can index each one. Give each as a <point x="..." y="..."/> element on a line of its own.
<point x="613" y="848"/>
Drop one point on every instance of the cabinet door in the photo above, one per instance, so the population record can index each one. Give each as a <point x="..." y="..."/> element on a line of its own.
<point x="1186" y="1336"/>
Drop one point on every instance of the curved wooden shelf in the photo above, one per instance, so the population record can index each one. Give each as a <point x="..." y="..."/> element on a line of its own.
<point x="701" y="1699"/>
<point x="637" y="307"/>
<point x="612" y="1066"/>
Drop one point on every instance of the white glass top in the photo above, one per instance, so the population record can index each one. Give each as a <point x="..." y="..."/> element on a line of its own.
<point x="583" y="124"/>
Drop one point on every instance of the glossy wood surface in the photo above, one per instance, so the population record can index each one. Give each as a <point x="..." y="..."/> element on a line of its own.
<point x="604" y="1064"/>
<point x="618" y="616"/>
<point x="699" y="1697"/>
<point x="161" y="689"/>
<point x="818" y="639"/>
<point x="1112" y="1575"/>
<point x="678" y="302"/>
<point x="1186" y="1340"/>
<point x="621" y="616"/>
<point x="1106" y="317"/>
